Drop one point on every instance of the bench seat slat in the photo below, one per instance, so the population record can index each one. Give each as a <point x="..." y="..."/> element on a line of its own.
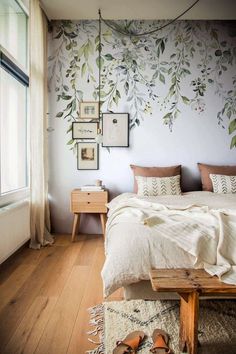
<point x="187" y="280"/>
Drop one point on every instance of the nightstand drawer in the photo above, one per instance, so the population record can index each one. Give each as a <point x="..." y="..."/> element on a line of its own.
<point x="96" y="197"/>
<point x="89" y="207"/>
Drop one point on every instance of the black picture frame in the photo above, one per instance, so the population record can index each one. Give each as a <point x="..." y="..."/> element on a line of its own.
<point x="91" y="162"/>
<point x="115" y="130"/>
<point x="89" y="136"/>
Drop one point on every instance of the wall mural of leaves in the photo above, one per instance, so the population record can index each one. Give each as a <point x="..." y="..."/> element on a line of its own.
<point x="146" y="71"/>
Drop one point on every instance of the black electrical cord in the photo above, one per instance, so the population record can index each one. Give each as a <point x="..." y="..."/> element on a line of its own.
<point x="120" y="30"/>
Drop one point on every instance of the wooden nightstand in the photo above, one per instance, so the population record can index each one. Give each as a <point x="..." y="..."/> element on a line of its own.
<point x="88" y="202"/>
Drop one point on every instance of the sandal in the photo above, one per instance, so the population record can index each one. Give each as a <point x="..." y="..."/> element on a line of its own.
<point x="160" y="342"/>
<point x="130" y="344"/>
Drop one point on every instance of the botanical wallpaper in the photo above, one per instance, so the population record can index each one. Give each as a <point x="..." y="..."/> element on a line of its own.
<point x="173" y="69"/>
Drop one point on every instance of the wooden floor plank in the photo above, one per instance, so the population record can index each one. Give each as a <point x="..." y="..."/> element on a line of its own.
<point x="23" y="256"/>
<point x="56" y="280"/>
<point x="27" y="335"/>
<point x="47" y="312"/>
<point x="92" y="295"/>
<point x="11" y="315"/>
<point x="15" y="281"/>
<point x="87" y="249"/>
<point x="58" y="331"/>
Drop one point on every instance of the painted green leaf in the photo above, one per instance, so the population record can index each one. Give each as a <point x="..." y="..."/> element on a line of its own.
<point x="162" y="78"/>
<point x="126" y="87"/>
<point x="162" y="46"/>
<point x="90" y="46"/>
<point x="70" y="142"/>
<point x="229" y="113"/>
<point x="103" y="94"/>
<point x="81" y="51"/>
<point x="58" y="35"/>
<point x="86" y="51"/>
<point x="70" y="128"/>
<point x="97" y="62"/>
<point x="168" y="115"/>
<point x="185" y="99"/>
<point x="232" y="126"/>
<point x="83" y="69"/>
<point x="109" y="57"/>
<point x="115" y="99"/>
<point x="59" y="115"/>
<point x="73" y="106"/>
<point x="65" y="97"/>
<point x="68" y="106"/>
<point x="233" y="142"/>
<point x="69" y="46"/>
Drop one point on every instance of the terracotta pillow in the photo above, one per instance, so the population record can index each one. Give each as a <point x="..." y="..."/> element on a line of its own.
<point x="154" y="172"/>
<point x="206" y="170"/>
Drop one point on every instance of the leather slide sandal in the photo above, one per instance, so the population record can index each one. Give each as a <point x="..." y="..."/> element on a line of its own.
<point x="130" y="344"/>
<point x="160" y="342"/>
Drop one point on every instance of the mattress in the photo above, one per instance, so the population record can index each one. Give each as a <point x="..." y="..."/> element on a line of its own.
<point x="132" y="248"/>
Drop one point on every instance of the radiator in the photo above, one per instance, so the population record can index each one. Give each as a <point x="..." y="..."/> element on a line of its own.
<point x="14" y="228"/>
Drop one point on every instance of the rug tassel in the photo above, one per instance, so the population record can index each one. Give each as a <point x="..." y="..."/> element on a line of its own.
<point x="97" y="316"/>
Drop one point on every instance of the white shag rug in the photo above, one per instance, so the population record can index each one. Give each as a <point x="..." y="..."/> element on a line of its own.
<point x="114" y="320"/>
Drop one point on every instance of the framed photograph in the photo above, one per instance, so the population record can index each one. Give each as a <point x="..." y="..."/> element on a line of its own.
<point x="84" y="130"/>
<point x="87" y="156"/>
<point x="89" y="110"/>
<point x="115" y="129"/>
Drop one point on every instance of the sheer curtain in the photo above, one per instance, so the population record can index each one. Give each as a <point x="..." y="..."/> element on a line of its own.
<point x="40" y="221"/>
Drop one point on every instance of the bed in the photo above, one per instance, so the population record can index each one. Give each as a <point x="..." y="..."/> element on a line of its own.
<point x="158" y="232"/>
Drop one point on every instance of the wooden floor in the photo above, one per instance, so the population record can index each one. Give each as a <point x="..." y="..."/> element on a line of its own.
<point x="45" y="294"/>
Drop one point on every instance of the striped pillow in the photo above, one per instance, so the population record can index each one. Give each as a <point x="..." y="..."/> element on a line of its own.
<point x="154" y="186"/>
<point x="223" y="184"/>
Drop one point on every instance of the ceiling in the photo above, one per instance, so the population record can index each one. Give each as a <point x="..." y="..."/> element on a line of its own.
<point x="139" y="9"/>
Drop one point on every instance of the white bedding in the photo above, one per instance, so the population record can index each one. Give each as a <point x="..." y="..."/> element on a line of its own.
<point x="169" y="232"/>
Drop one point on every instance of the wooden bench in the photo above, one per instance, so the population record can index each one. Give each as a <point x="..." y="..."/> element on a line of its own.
<point x="189" y="284"/>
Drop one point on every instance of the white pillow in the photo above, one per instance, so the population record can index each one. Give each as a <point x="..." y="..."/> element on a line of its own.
<point x="153" y="186"/>
<point x="223" y="184"/>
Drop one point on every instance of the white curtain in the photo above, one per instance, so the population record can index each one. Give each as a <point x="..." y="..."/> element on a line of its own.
<point x="40" y="221"/>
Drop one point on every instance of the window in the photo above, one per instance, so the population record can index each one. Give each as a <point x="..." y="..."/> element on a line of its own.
<point x="14" y="83"/>
<point x="13" y="30"/>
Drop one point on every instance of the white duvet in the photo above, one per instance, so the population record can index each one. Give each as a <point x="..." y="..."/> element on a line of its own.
<point x="196" y="229"/>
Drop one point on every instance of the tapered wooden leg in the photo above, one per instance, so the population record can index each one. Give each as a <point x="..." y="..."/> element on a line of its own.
<point x="103" y="218"/>
<point x="75" y="226"/>
<point x="189" y="309"/>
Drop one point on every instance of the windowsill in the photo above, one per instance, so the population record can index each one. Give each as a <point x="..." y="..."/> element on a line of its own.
<point x="13" y="197"/>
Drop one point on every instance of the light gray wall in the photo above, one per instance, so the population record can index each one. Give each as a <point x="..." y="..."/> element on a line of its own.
<point x="195" y="135"/>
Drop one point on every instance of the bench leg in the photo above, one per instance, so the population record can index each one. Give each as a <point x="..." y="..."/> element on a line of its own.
<point x="189" y="308"/>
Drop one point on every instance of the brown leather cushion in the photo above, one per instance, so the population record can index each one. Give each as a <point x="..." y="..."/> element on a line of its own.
<point x="206" y="170"/>
<point x="154" y="172"/>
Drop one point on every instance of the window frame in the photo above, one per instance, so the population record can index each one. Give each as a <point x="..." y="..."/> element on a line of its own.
<point x="16" y="70"/>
